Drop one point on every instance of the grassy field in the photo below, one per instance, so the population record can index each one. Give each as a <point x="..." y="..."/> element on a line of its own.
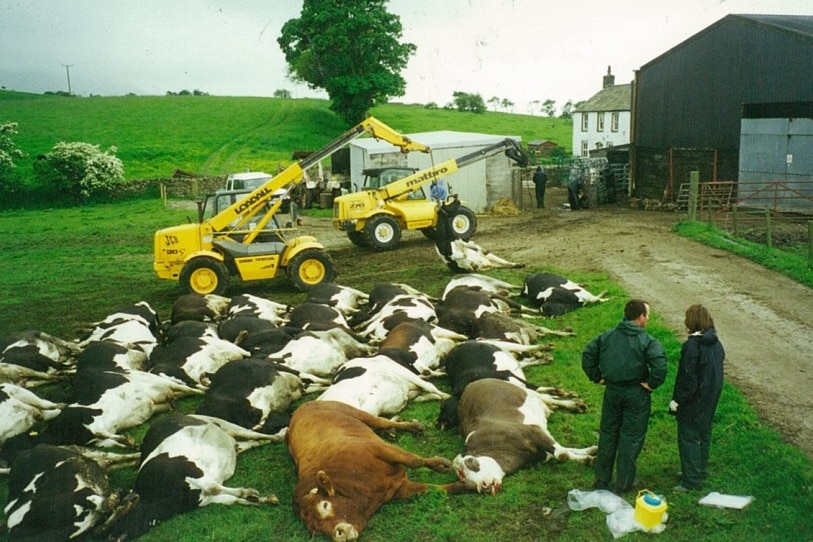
<point x="65" y="268"/>
<point x="213" y="135"/>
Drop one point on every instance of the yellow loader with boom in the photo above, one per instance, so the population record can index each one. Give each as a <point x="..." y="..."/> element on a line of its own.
<point x="243" y="238"/>
<point x="393" y="200"/>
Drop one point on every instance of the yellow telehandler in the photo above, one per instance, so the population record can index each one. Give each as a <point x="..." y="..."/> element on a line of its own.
<point x="243" y="238"/>
<point x="393" y="199"/>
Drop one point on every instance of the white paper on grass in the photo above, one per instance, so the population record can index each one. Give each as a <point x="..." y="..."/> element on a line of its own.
<point x="720" y="500"/>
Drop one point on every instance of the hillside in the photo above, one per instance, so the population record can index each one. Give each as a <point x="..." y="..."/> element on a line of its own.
<point x="211" y="135"/>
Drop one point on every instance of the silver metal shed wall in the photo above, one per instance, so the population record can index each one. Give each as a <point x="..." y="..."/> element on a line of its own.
<point x="479" y="185"/>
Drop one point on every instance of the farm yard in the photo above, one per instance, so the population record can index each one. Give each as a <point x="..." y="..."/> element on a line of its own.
<point x="763" y="319"/>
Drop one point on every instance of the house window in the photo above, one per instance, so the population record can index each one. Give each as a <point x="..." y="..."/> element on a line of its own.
<point x="614" y="122"/>
<point x="600" y="122"/>
<point x="585" y="118"/>
<point x="584" y="148"/>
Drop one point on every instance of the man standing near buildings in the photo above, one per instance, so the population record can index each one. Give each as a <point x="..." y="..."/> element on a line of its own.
<point x="540" y="180"/>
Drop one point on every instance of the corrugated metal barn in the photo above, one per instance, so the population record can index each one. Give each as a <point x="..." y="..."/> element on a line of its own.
<point x="480" y="185"/>
<point x="688" y="103"/>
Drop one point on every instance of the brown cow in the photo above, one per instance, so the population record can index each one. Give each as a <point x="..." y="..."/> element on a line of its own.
<point x="345" y="472"/>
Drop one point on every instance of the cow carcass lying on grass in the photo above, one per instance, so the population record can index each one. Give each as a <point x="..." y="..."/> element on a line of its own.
<point x="185" y="459"/>
<point x="345" y="472"/>
<point x="21" y="409"/>
<point x="379" y="385"/>
<point x="556" y="295"/>
<point x="38" y="351"/>
<point x="506" y="429"/>
<point x="57" y="493"/>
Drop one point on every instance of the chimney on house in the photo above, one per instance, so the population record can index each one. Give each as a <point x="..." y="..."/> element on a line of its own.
<point x="609" y="79"/>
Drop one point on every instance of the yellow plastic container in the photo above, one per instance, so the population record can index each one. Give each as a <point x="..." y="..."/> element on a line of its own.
<point x="649" y="509"/>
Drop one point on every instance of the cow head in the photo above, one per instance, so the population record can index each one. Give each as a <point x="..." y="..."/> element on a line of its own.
<point x="323" y="511"/>
<point x="482" y="470"/>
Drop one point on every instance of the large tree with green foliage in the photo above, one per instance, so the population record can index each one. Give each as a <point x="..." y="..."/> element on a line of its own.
<point x="349" y="48"/>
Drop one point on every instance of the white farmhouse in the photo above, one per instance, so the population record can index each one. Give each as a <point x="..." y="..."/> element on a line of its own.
<point x="603" y="121"/>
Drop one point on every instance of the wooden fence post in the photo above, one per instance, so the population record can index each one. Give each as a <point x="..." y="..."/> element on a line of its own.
<point x="768" y="232"/>
<point x="694" y="183"/>
<point x="734" y="219"/>
<point x="810" y="243"/>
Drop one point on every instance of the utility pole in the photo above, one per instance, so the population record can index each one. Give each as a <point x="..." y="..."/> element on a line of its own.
<point x="68" y="72"/>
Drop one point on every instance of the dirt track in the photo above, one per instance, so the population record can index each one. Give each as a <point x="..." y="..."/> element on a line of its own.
<point x="764" y="319"/>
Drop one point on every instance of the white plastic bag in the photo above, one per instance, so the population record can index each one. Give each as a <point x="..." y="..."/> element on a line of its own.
<point x="620" y="514"/>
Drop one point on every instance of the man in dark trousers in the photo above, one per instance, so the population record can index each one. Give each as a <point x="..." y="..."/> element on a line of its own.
<point x="540" y="180"/>
<point x="574" y="190"/>
<point x="630" y="363"/>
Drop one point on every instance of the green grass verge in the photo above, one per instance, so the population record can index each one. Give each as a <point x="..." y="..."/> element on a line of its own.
<point x="796" y="265"/>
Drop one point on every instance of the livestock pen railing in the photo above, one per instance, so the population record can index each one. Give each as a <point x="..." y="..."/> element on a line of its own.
<point x="778" y="214"/>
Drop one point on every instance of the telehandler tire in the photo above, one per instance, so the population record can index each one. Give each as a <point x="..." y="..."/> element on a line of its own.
<point x="464" y="223"/>
<point x="204" y="276"/>
<point x="382" y="232"/>
<point x="309" y="268"/>
<point x="358" y="238"/>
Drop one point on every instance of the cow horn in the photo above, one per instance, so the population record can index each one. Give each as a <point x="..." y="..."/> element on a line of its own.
<point x="323" y="480"/>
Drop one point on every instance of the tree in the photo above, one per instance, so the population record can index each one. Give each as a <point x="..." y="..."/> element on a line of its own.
<point x="464" y="101"/>
<point x="507" y="104"/>
<point x="495" y="102"/>
<point x="549" y="107"/>
<point x="8" y="153"/>
<point x="282" y="93"/>
<point x="567" y="110"/>
<point x="349" y="49"/>
<point x="80" y="170"/>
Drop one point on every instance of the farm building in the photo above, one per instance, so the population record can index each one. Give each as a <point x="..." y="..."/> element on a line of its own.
<point x="603" y="121"/>
<point x="705" y="104"/>
<point x="542" y="147"/>
<point x="481" y="185"/>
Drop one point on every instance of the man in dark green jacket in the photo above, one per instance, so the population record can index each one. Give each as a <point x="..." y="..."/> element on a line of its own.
<point x="631" y="364"/>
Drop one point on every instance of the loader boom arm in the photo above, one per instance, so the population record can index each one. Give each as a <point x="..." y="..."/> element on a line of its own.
<point x="239" y="213"/>
<point x="412" y="183"/>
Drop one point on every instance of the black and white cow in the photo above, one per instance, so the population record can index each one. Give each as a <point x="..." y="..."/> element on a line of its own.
<point x="190" y="328"/>
<point x="255" y="334"/>
<point x="556" y="295"/>
<point x="21" y="409"/>
<point x="346" y="300"/>
<point x="501" y="327"/>
<point x="252" y="305"/>
<point x="505" y="428"/>
<point x="483" y="283"/>
<point x="470" y="361"/>
<point x="316" y="316"/>
<point x="57" y="493"/>
<point x="38" y="351"/>
<point x="321" y="353"/>
<point x="403" y="307"/>
<point x="135" y="325"/>
<point x="253" y="393"/>
<point x="185" y="460"/>
<point x="424" y="344"/>
<point x="379" y="385"/>
<point x="113" y="403"/>
<point x="462" y="307"/>
<point x="193" y="360"/>
<point x="199" y="308"/>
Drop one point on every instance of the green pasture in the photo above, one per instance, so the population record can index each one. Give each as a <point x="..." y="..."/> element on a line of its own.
<point x="211" y="135"/>
<point x="65" y="268"/>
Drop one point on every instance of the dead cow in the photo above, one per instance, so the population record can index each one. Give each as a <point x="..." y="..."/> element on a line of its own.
<point x="506" y="429"/>
<point x="345" y="472"/>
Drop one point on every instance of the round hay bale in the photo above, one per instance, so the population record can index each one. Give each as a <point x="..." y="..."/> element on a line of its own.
<point x="505" y="207"/>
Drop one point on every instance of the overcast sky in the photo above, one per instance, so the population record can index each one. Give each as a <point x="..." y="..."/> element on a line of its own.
<point x="520" y="50"/>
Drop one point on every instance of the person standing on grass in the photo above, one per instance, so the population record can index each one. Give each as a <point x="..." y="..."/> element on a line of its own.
<point x="630" y="363"/>
<point x="540" y="180"/>
<point x="698" y="386"/>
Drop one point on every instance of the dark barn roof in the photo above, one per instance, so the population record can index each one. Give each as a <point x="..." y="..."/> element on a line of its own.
<point x="692" y="95"/>
<point x="614" y="98"/>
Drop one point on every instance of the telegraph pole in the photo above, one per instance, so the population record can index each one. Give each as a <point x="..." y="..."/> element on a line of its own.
<point x="68" y="73"/>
